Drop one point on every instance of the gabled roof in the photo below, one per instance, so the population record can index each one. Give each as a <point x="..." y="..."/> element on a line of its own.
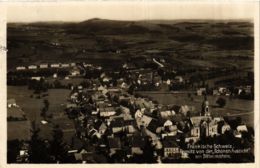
<point x="195" y="121"/>
<point x="242" y="128"/>
<point x="153" y="125"/>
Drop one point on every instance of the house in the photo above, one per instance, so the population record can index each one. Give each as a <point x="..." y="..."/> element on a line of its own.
<point x="178" y="79"/>
<point x="225" y="127"/>
<point x="84" y="156"/>
<point x="195" y="125"/>
<point x="11" y="103"/>
<point x="42" y="66"/>
<point x="107" y="111"/>
<point x="72" y="64"/>
<point x="75" y="72"/>
<point x="38" y="78"/>
<point x="19" y="68"/>
<point x="80" y="87"/>
<point x="117" y="125"/>
<point x="185" y="109"/>
<point x="144" y="120"/>
<point x="114" y="144"/>
<point x="241" y="128"/>
<point x="201" y="91"/>
<point x="64" y="65"/>
<point x="169" y="130"/>
<point x="167" y="114"/>
<point x="87" y="65"/>
<point x="55" y="65"/>
<point x="32" y="67"/>
<point x="167" y="123"/>
<point x="168" y="82"/>
<point x="216" y="92"/>
<point x="222" y="90"/>
<point x="102" y="128"/>
<point x="23" y="155"/>
<point x="170" y="148"/>
<point x="55" y="75"/>
<point x="93" y="133"/>
<point x="212" y="128"/>
<point x="137" y="144"/>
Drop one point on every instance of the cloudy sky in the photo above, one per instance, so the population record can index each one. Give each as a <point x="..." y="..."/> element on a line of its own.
<point x="138" y="10"/>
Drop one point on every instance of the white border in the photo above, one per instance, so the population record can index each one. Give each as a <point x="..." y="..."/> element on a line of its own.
<point x="3" y="19"/>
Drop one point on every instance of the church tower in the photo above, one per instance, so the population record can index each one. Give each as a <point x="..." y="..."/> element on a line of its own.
<point x="205" y="107"/>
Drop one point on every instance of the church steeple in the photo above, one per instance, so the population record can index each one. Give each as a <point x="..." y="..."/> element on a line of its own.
<point x="205" y="107"/>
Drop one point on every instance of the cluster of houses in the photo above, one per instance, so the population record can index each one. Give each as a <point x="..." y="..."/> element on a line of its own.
<point x="116" y="123"/>
<point x="46" y="65"/>
<point x="119" y="122"/>
<point x="225" y="91"/>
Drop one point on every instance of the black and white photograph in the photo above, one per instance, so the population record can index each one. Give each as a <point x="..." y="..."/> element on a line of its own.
<point x="131" y="83"/>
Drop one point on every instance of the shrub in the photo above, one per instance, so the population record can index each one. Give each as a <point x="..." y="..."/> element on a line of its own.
<point x="221" y="102"/>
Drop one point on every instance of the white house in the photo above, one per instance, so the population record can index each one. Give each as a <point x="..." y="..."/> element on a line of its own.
<point x="32" y="67"/>
<point x="42" y="66"/>
<point x="242" y="128"/>
<point x="19" y="68"/>
<point x="179" y="79"/>
<point x="107" y="111"/>
<point x="166" y="114"/>
<point x="200" y="91"/>
<point x="11" y="103"/>
<point x="65" y="65"/>
<point x="55" y="65"/>
<point x="75" y="72"/>
<point x="38" y="78"/>
<point x="225" y="127"/>
<point x="55" y="75"/>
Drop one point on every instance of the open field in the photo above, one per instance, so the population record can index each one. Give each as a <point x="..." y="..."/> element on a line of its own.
<point x="23" y="133"/>
<point x="74" y="81"/>
<point x="32" y="107"/>
<point x="234" y="107"/>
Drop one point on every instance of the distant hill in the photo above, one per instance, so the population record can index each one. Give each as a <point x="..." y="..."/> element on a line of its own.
<point x="100" y="39"/>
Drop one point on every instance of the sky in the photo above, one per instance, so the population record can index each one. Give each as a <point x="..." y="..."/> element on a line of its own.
<point x="139" y="10"/>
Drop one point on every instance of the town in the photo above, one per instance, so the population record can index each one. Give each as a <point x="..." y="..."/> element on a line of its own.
<point x="143" y="111"/>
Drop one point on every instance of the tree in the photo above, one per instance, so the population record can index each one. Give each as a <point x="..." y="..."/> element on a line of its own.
<point x="43" y="112"/>
<point x="38" y="151"/>
<point x="221" y="102"/>
<point x="57" y="146"/>
<point x="46" y="103"/>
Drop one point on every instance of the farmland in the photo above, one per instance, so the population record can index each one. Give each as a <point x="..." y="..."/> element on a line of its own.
<point x="32" y="106"/>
